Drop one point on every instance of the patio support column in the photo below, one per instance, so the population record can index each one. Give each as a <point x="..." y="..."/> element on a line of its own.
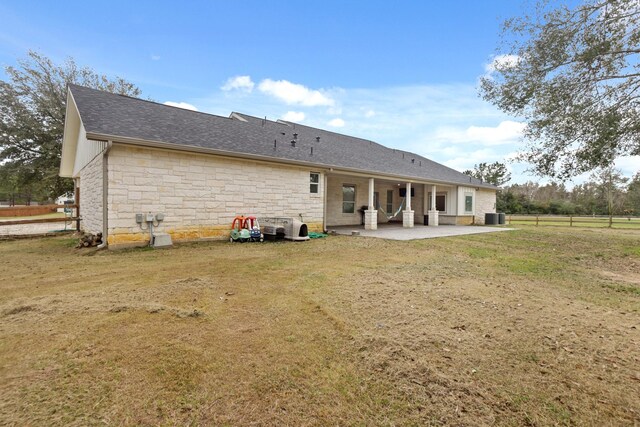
<point x="433" y="213"/>
<point x="407" y="214"/>
<point x="425" y="199"/>
<point x="371" y="214"/>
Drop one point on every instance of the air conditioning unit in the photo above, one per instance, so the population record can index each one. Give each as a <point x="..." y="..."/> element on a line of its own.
<point x="161" y="240"/>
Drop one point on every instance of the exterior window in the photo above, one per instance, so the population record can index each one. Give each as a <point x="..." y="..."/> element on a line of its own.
<point x="389" y="201"/>
<point x="314" y="185"/>
<point x="348" y="198"/>
<point x="376" y="200"/>
<point x="468" y="203"/>
<point x="441" y="202"/>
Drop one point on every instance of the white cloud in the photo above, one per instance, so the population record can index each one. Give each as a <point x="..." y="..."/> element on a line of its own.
<point x="293" y="116"/>
<point x="370" y="113"/>
<point x="242" y="83"/>
<point x="155" y="57"/>
<point x="336" y="110"/>
<point x="507" y="132"/>
<point x="336" y="123"/>
<point x="501" y="62"/>
<point x="294" y="94"/>
<point x="447" y="123"/>
<point x="470" y="158"/>
<point x="181" y="105"/>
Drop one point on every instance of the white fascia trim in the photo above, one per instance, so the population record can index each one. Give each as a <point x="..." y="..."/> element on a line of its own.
<point x="72" y="125"/>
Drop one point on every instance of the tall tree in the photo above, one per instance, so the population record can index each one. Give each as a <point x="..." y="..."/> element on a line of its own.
<point x="32" y="109"/>
<point x="573" y="74"/>
<point x="633" y="195"/>
<point x="611" y="189"/>
<point x="586" y="196"/>
<point x="495" y="173"/>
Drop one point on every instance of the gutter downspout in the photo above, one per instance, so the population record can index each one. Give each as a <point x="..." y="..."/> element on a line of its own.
<point x="105" y="194"/>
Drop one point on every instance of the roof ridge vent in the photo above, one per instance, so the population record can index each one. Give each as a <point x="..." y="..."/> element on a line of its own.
<point x="238" y="117"/>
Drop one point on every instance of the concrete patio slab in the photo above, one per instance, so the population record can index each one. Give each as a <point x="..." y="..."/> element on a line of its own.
<point x="397" y="232"/>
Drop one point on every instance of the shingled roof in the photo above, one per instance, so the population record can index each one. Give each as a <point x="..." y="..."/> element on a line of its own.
<point x="120" y="118"/>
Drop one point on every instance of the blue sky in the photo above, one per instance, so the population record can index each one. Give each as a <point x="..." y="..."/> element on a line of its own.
<point x="401" y="73"/>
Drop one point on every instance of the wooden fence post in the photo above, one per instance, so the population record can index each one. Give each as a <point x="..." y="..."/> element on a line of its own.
<point x="610" y="221"/>
<point x="570" y="220"/>
<point x="537" y="216"/>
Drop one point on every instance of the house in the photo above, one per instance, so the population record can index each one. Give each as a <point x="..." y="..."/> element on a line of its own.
<point x="65" y="198"/>
<point x="130" y="156"/>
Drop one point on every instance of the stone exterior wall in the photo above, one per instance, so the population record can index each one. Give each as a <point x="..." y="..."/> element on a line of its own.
<point x="335" y="216"/>
<point x="485" y="203"/>
<point x="91" y="183"/>
<point x="201" y="194"/>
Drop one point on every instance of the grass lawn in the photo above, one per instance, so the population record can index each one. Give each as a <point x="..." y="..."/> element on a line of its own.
<point x="537" y="326"/>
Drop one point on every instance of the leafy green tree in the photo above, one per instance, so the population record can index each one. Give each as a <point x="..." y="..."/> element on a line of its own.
<point x="573" y="74"/>
<point x="632" y="202"/>
<point x="32" y="109"/>
<point x="509" y="202"/>
<point x="611" y="190"/>
<point x="550" y="192"/>
<point x="528" y="190"/>
<point x="561" y="207"/>
<point x="19" y="184"/>
<point x="585" y="196"/>
<point x="494" y="173"/>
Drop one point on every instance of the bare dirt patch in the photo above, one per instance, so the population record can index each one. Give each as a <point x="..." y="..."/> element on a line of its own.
<point x="627" y="277"/>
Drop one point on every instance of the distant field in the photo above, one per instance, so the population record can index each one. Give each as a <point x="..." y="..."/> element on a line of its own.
<point x="575" y="221"/>
<point x="530" y="327"/>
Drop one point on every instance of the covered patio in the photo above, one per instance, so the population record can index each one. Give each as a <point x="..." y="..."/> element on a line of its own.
<point x="393" y="231"/>
<point x="375" y="201"/>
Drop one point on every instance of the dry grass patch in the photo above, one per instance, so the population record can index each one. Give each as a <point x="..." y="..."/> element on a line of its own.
<point x="535" y="326"/>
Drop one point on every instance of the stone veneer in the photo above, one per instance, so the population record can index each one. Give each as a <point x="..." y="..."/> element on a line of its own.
<point x="201" y="194"/>
<point x="485" y="203"/>
<point x="91" y="184"/>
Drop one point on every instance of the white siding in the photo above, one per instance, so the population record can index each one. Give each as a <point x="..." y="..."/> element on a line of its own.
<point x="87" y="150"/>
<point x="462" y="192"/>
